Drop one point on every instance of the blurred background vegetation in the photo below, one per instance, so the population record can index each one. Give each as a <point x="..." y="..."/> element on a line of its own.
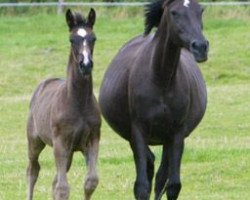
<point x="11" y="1"/>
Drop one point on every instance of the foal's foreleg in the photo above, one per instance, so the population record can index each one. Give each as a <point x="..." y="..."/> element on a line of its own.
<point x="63" y="155"/>
<point x="91" y="155"/>
<point x="139" y="147"/>
<point x="68" y="167"/>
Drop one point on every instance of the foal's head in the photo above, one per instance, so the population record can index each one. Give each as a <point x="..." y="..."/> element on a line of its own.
<point x="82" y="39"/>
<point x="184" y="18"/>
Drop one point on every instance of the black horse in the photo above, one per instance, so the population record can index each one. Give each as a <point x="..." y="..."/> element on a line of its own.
<point x="153" y="92"/>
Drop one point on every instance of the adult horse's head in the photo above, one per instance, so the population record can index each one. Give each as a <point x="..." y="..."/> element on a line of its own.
<point x="82" y="39"/>
<point x="184" y="18"/>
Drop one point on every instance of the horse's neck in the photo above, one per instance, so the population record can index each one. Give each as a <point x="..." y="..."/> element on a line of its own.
<point x="166" y="56"/>
<point x="79" y="87"/>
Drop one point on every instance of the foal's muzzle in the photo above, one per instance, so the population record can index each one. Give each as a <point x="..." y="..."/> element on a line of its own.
<point x="199" y="48"/>
<point x="85" y="68"/>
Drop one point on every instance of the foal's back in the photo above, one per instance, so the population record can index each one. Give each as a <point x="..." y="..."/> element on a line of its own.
<point x="46" y="98"/>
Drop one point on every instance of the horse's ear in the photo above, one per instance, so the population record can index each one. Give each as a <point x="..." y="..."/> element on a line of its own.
<point x="91" y="18"/>
<point x="70" y="19"/>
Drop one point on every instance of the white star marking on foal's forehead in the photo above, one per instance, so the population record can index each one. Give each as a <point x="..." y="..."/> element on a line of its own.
<point x="81" y="32"/>
<point x="186" y="3"/>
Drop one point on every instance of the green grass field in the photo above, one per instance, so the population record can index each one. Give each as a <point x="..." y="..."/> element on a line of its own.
<point x="216" y="162"/>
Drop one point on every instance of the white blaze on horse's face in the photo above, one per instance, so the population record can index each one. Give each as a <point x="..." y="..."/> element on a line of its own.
<point x="186" y="3"/>
<point x="82" y="32"/>
<point x="85" y="53"/>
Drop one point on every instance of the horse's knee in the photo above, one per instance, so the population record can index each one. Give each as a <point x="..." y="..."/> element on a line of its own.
<point x="141" y="190"/>
<point x="173" y="191"/>
<point x="91" y="184"/>
<point x="61" y="192"/>
<point x="33" y="168"/>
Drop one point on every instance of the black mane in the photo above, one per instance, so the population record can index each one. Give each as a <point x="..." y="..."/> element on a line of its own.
<point x="153" y="13"/>
<point x="80" y="21"/>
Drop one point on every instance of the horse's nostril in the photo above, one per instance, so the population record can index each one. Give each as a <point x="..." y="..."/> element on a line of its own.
<point x="81" y="63"/>
<point x="194" y="45"/>
<point x="199" y="46"/>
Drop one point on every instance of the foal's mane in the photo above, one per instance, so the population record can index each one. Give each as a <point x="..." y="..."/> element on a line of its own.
<point x="153" y="14"/>
<point x="80" y="20"/>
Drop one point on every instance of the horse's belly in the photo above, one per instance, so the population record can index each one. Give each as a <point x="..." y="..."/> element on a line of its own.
<point x="113" y="100"/>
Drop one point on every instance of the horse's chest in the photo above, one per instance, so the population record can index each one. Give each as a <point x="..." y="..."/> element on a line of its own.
<point x="161" y="113"/>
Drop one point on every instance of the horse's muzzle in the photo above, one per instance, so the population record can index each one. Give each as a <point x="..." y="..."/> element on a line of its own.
<point x="86" y="68"/>
<point x="199" y="50"/>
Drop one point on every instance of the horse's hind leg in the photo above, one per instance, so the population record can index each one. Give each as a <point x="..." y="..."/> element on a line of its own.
<point x="35" y="146"/>
<point x="161" y="176"/>
<point x="150" y="167"/>
<point x="91" y="156"/>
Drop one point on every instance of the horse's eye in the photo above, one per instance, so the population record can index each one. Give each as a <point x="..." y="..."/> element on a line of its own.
<point x="174" y="13"/>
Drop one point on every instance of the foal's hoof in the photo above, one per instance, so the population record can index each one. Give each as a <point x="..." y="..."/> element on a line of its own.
<point x="61" y="193"/>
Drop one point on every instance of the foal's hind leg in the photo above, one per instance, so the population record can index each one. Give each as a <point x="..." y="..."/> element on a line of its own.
<point x="35" y="146"/>
<point x="91" y="156"/>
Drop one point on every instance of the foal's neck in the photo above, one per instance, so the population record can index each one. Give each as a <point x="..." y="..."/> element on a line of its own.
<point x="166" y="55"/>
<point x="79" y="87"/>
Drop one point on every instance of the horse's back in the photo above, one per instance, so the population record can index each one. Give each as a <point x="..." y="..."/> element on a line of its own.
<point x="40" y="108"/>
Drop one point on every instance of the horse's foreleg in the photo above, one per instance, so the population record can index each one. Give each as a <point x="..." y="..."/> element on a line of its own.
<point x="55" y="178"/>
<point x="91" y="155"/>
<point x="63" y="155"/>
<point x="174" y="154"/>
<point x="139" y="147"/>
<point x="35" y="146"/>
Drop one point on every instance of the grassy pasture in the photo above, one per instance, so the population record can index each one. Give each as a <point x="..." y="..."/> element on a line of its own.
<point x="216" y="162"/>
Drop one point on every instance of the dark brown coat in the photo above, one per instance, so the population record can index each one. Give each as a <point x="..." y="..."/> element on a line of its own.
<point x="153" y="92"/>
<point x="64" y="114"/>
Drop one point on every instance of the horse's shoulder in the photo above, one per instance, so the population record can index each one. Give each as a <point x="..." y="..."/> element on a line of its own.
<point x="49" y="84"/>
<point x="190" y="69"/>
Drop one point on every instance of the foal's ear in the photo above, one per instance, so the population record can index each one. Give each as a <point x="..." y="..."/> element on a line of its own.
<point x="91" y="18"/>
<point x="70" y="19"/>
